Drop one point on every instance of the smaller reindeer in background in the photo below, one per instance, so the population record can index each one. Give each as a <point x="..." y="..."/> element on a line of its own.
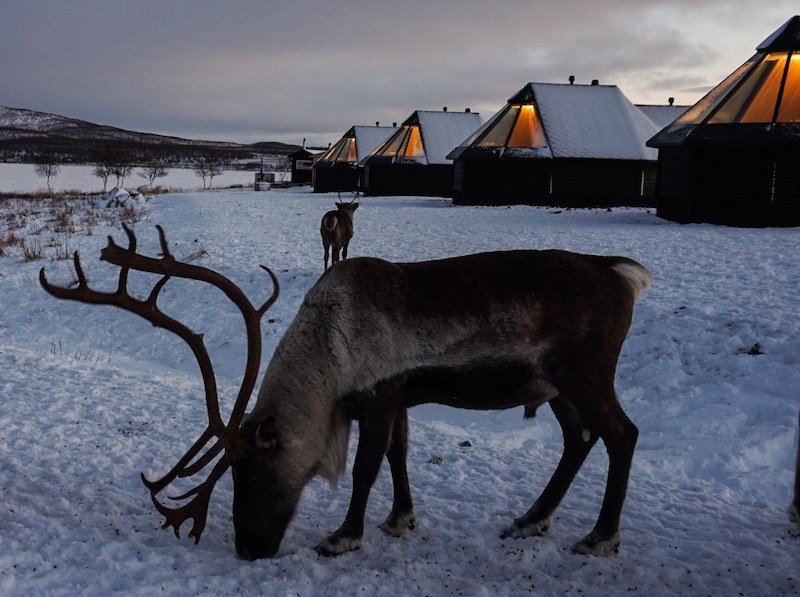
<point x="337" y="229"/>
<point x="794" y="507"/>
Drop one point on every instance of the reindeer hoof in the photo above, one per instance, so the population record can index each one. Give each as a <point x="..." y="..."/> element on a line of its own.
<point x="519" y="530"/>
<point x="400" y="524"/>
<point x="594" y="544"/>
<point x="334" y="545"/>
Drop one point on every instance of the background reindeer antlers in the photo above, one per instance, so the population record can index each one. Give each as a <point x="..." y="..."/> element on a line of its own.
<point x="227" y="435"/>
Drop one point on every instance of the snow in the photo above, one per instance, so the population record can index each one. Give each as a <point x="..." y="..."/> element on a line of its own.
<point x="369" y="137"/>
<point x="442" y="131"/>
<point x="593" y="121"/>
<point x="663" y="115"/>
<point x="92" y="395"/>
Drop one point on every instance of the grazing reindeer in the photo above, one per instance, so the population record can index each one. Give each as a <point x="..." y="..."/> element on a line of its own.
<point x="794" y="507"/>
<point x="371" y="339"/>
<point x="336" y="229"/>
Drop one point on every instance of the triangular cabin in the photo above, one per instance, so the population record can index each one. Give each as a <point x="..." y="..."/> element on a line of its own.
<point x="413" y="161"/>
<point x="734" y="157"/>
<point x="559" y="145"/>
<point x="339" y="169"/>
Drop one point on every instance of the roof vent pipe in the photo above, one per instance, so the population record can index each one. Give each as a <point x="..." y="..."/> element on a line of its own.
<point x="394" y="125"/>
<point x="467" y="110"/>
<point x="671" y="100"/>
<point x="304" y="142"/>
<point x="572" y="79"/>
<point x="377" y="123"/>
<point x="444" y="109"/>
<point x="595" y="82"/>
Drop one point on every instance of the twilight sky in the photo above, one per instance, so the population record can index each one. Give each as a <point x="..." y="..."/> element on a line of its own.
<point x="282" y="70"/>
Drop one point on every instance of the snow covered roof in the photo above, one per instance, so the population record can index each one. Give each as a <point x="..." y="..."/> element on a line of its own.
<point x="662" y="115"/>
<point x="761" y="98"/>
<point x="568" y="121"/>
<point x="426" y="136"/>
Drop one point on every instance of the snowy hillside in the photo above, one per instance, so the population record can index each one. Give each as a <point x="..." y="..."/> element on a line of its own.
<point x="92" y="396"/>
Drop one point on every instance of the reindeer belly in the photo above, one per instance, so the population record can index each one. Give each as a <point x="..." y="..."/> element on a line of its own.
<point x="484" y="386"/>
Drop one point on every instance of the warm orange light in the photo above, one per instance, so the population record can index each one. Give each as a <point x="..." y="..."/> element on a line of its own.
<point x="527" y="130"/>
<point x="349" y="152"/>
<point x="790" y="102"/>
<point x="756" y="98"/>
<point x="414" y="147"/>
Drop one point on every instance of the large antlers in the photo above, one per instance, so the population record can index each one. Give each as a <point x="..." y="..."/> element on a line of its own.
<point x="227" y="436"/>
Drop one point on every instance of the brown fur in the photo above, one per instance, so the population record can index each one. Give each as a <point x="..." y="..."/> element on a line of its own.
<point x="487" y="331"/>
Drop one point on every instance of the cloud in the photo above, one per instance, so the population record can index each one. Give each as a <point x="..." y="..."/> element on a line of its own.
<point x="251" y="71"/>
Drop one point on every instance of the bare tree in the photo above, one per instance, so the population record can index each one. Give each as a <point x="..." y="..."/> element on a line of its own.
<point x="102" y="171"/>
<point x="122" y="163"/>
<point x="157" y="168"/>
<point x="48" y="165"/>
<point x="207" y="167"/>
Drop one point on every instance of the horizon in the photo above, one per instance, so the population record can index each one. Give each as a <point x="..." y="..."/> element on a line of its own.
<point x="275" y="72"/>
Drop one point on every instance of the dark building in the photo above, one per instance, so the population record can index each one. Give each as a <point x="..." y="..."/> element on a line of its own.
<point x="413" y="161"/>
<point x="301" y="166"/>
<point x="734" y="157"/>
<point x="339" y="169"/>
<point x="560" y="145"/>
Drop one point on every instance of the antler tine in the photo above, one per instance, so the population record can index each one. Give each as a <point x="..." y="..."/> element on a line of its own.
<point x="276" y="288"/>
<point x="196" y="509"/>
<point x="162" y="239"/>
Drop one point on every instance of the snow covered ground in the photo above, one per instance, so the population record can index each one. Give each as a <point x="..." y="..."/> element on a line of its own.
<point x="22" y="178"/>
<point x="91" y="396"/>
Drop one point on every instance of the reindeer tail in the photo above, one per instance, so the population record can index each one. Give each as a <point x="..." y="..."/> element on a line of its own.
<point x="635" y="274"/>
<point x="330" y="222"/>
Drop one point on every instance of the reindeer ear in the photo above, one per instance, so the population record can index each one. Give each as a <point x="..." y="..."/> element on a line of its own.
<point x="266" y="437"/>
<point x="355" y="206"/>
<point x="340" y="205"/>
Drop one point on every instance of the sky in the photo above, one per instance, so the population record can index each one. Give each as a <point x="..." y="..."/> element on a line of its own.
<point x="250" y="71"/>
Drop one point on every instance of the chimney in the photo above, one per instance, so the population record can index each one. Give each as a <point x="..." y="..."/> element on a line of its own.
<point x="467" y="110"/>
<point x="304" y="142"/>
<point x="444" y="109"/>
<point x="377" y="123"/>
<point x="671" y="100"/>
<point x="572" y="79"/>
<point x="394" y="125"/>
<point x="595" y="82"/>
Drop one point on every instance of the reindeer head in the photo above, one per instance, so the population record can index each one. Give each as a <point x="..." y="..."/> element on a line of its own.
<point x="349" y="206"/>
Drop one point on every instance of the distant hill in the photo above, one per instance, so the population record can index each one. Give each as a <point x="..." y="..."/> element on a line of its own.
<point x="25" y="135"/>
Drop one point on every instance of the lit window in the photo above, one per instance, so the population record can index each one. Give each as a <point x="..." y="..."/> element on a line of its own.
<point x="498" y="134"/>
<point x="413" y="147"/>
<point x="527" y="130"/>
<point x="755" y="100"/>
<point x="790" y="102"/>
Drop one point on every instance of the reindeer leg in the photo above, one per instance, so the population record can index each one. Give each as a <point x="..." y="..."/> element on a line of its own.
<point x="326" y="256"/>
<point x="344" y="251"/>
<point x="375" y="425"/>
<point x="402" y="518"/>
<point x="619" y="435"/>
<point x="578" y="441"/>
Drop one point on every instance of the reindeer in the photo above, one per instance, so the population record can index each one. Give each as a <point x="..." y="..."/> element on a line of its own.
<point x="336" y="229"/>
<point x="372" y="339"/>
<point x="794" y="507"/>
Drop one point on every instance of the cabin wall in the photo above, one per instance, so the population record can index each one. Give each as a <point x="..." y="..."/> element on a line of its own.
<point x="554" y="182"/>
<point x="337" y="178"/>
<point x="408" y="179"/>
<point x="735" y="186"/>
